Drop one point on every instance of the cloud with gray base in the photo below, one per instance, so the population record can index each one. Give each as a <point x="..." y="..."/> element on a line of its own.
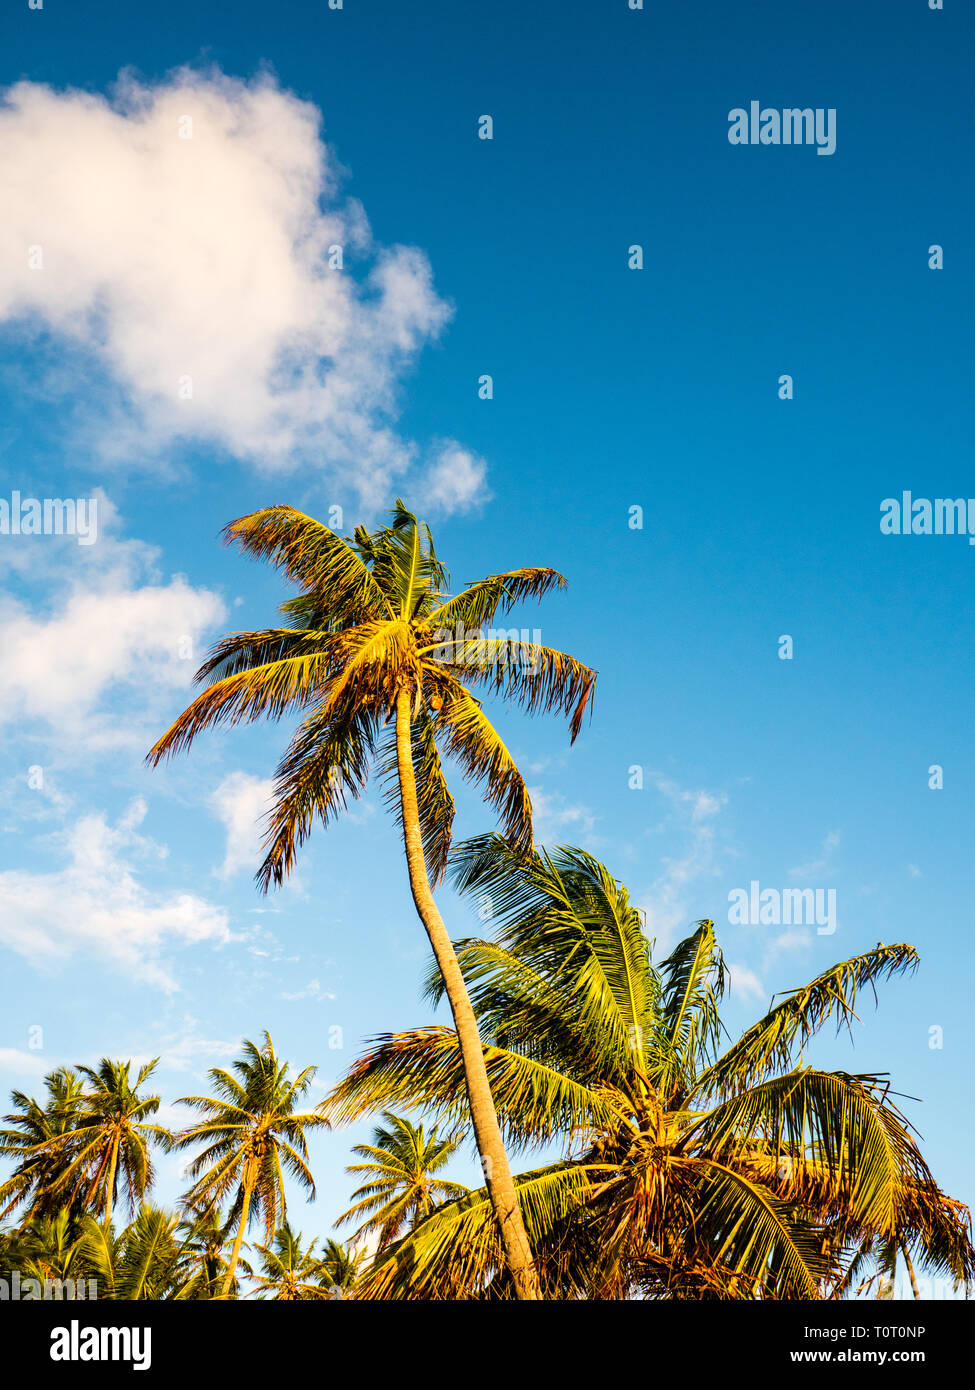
<point x="190" y="236"/>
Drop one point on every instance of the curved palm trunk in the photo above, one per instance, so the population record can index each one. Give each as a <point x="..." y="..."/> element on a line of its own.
<point x="241" y="1225"/>
<point x="487" y="1132"/>
<point x="910" y="1269"/>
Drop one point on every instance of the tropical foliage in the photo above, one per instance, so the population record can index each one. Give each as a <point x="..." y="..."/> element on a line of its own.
<point x="691" y="1168"/>
<point x="252" y="1132"/>
<point x="662" y="1159"/>
<point x="400" y="1187"/>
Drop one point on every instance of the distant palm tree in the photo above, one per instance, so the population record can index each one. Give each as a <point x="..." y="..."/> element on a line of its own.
<point x="109" y="1139"/>
<point x="252" y="1132"/>
<point x="341" y="1268"/>
<point x="690" y="1171"/>
<point x="47" y="1247"/>
<point x="36" y="1142"/>
<point x="203" y="1232"/>
<point x="400" y="1188"/>
<point x="289" y="1270"/>
<point x="383" y="662"/>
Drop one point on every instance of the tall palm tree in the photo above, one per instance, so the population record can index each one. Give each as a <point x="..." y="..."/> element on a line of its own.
<point x="689" y="1171"/>
<point x="290" y="1270"/>
<point x="384" y="663"/>
<point x="37" y="1141"/>
<point x="253" y="1132"/>
<point x="400" y="1187"/>
<point x="109" y="1140"/>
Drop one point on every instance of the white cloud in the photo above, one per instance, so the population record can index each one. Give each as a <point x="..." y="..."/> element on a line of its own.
<point x="187" y="1050"/>
<point x="240" y="802"/>
<point x="23" y="1063"/>
<point x="701" y="805"/>
<point x="745" y="984"/>
<point x="455" y="481"/>
<point x="207" y="259"/>
<point x="96" y="907"/>
<point x="552" y="816"/>
<point x="669" y="904"/>
<point x="116" y="623"/>
<point x="312" y="990"/>
<point x="58" y="667"/>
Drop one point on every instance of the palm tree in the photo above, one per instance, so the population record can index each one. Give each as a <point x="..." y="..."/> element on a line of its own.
<point x="341" y="1268"/>
<point x="109" y="1140"/>
<point x="252" y="1132"/>
<point x="203" y="1231"/>
<point x="37" y="1140"/>
<point x="289" y="1270"/>
<point x="400" y="1188"/>
<point x="689" y="1171"/>
<point x="383" y="662"/>
<point x="49" y="1247"/>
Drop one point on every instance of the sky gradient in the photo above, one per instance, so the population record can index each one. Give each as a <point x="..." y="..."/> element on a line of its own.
<point x="129" y="923"/>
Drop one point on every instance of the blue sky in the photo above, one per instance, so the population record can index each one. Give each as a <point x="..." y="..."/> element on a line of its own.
<point x="128" y="921"/>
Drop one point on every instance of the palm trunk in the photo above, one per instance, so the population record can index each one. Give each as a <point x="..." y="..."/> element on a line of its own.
<point x="910" y="1270"/>
<point x="235" y="1252"/>
<point x="110" y="1194"/>
<point x="487" y="1132"/>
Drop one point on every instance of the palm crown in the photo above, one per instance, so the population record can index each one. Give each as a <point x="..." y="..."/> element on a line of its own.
<point x="690" y="1171"/>
<point x="374" y="618"/>
<point x="37" y="1141"/>
<point x="291" y="1270"/>
<point x="400" y="1184"/>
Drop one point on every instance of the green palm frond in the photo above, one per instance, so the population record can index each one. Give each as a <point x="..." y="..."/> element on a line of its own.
<point x="690" y="1026"/>
<point x="456" y="1252"/>
<point x="423" y="1068"/>
<point x="768" y="1045"/>
<point x="311" y="555"/>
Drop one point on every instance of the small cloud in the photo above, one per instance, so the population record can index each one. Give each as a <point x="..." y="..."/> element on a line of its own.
<point x="745" y="984"/>
<point x="312" y="990"/>
<point x="23" y="1063"/>
<point x="241" y="802"/>
<point x="455" y="482"/>
<point x="552" y="815"/>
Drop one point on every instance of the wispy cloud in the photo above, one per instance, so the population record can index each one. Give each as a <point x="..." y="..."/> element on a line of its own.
<point x="113" y="623"/>
<point x="669" y="904"/>
<point x="312" y="990"/>
<point x="97" y="906"/>
<point x="241" y="802"/>
<point x="555" y="817"/>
